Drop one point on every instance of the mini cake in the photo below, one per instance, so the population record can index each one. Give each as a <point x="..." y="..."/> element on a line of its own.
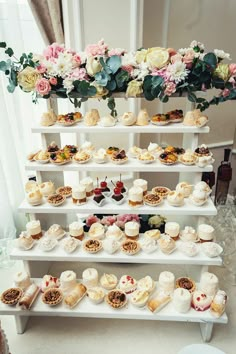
<point x="154" y="234"/>
<point x="22" y="280"/>
<point x="70" y="244"/>
<point x="104" y="188"/>
<point x="96" y="294"/>
<point x="175" y="198"/>
<point x="92" y="245"/>
<point x="146" y="157"/>
<point x="108" y="281"/>
<point x="198" y="197"/>
<point x="110" y="245"/>
<point x="130" y="247"/>
<point x="29" y="297"/>
<point x="82" y="156"/>
<point x="182" y="300"/>
<point x="146" y="284"/>
<point x="172" y="229"/>
<point x="96" y="231"/>
<point x="166" y="282"/>
<point x="87" y="182"/>
<point x="143" y="117"/>
<point x="100" y="156"/>
<point x="35" y="197"/>
<point x="116" y="299"/>
<point x="135" y="151"/>
<point x="141" y="183"/>
<point x="25" y="241"/>
<point x="218" y="304"/>
<point x="11" y="296"/>
<point x="201" y="301"/>
<point x="132" y="230"/>
<point x="202" y="151"/>
<point x="48" y="118"/>
<point x="114" y="232"/>
<point x="158" y="301"/>
<point x="186" y="283"/>
<point x="206" y="233"/>
<point x="167" y="244"/>
<point x="76" y="230"/>
<point x="184" y="188"/>
<point x="90" y="277"/>
<point x="55" y="231"/>
<point x="148" y="245"/>
<point x="47" y="188"/>
<point x="139" y="298"/>
<point x="195" y="118"/>
<point x="127" y="284"/>
<point x="209" y="283"/>
<point x="189" y="248"/>
<point x="79" y="195"/>
<point x="135" y="197"/>
<point x="203" y="186"/>
<point x="34" y="229"/>
<point x="108" y="121"/>
<point x="47" y="243"/>
<point x="49" y="282"/>
<point x="189" y="234"/>
<point x="128" y="118"/>
<point x="119" y="157"/>
<point x="154" y="149"/>
<point x="98" y="198"/>
<point x="52" y="296"/>
<point x="67" y="280"/>
<point x="91" y="117"/>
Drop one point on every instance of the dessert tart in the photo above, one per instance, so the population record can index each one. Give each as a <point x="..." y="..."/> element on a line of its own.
<point x="218" y="304"/>
<point x="65" y="191"/>
<point x="47" y="244"/>
<point x="75" y="295"/>
<point x="90" y="277"/>
<point x="11" y="296"/>
<point x="108" y="281"/>
<point x="119" y="157"/>
<point x="70" y="149"/>
<point x="70" y="244"/>
<point x="161" y="191"/>
<point x="52" y="297"/>
<point x="42" y="156"/>
<point x="175" y="116"/>
<point x="69" y="118"/>
<point x="92" y="246"/>
<point x="186" y="283"/>
<point x="146" y="157"/>
<point x="116" y="299"/>
<point x="29" y="297"/>
<point x="202" y="150"/>
<point x="96" y="294"/>
<point x="82" y="157"/>
<point x="53" y="147"/>
<point x="107" y="121"/>
<point x="168" y="158"/>
<point x="188" y="158"/>
<point x="211" y="249"/>
<point x="167" y="244"/>
<point x="49" y="282"/>
<point x="60" y="157"/>
<point x="152" y="199"/>
<point x="143" y="117"/>
<point x="100" y="156"/>
<point x="127" y="284"/>
<point x="111" y="150"/>
<point x="139" y="298"/>
<point x="160" y="119"/>
<point x="130" y="247"/>
<point x="174" y="150"/>
<point x="56" y="199"/>
<point x="201" y="301"/>
<point x="159" y="300"/>
<point x="47" y="188"/>
<point x="182" y="300"/>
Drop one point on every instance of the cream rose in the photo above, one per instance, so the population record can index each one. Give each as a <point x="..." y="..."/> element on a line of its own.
<point x="141" y="55"/>
<point x="27" y="78"/>
<point x="157" y="57"/>
<point x="222" y="71"/>
<point x="134" y="88"/>
<point x="93" y="66"/>
<point x="101" y="91"/>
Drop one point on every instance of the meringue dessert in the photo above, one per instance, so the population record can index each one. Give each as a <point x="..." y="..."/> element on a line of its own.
<point x="148" y="245"/>
<point x="203" y="161"/>
<point x="211" y="249"/>
<point x="172" y="229"/>
<point x="42" y="156"/>
<point x="132" y="230"/>
<point x="143" y="117"/>
<point x="166" y="244"/>
<point x="108" y="281"/>
<point x="139" y="298"/>
<point x="35" y="197"/>
<point x="128" y="118"/>
<point x="88" y="147"/>
<point x="189" y="234"/>
<point x="135" y="197"/>
<point x="47" y="188"/>
<point x="34" y="229"/>
<point x="166" y="282"/>
<point x="48" y="118"/>
<point x="154" y="234"/>
<point x="201" y="301"/>
<point x="79" y="195"/>
<point x="96" y="294"/>
<point x="182" y="300"/>
<point x="175" y="198"/>
<point x="76" y="230"/>
<point x="87" y="182"/>
<point x="141" y="183"/>
<point x="185" y="188"/>
<point x="91" y="117"/>
<point x="110" y="245"/>
<point x="55" y="231"/>
<point x="67" y="280"/>
<point x="31" y="186"/>
<point x="203" y="186"/>
<point x="135" y="151"/>
<point x="205" y="233"/>
<point x="22" y="280"/>
<point x="90" y="277"/>
<point x="127" y="284"/>
<point x="70" y="244"/>
<point x="25" y="241"/>
<point x="47" y="244"/>
<point x="114" y="232"/>
<point x="188" y="158"/>
<point x="146" y="283"/>
<point x="209" y="283"/>
<point x="198" y="197"/>
<point x="189" y="248"/>
<point x="96" y="231"/>
<point x="146" y="157"/>
<point x="154" y="149"/>
<point x="108" y="121"/>
<point x="100" y="156"/>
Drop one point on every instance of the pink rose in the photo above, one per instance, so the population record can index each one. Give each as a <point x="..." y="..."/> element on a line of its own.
<point x="170" y="88"/>
<point x="171" y="51"/>
<point x="76" y="60"/>
<point x="232" y="69"/>
<point x="188" y="58"/>
<point x="225" y="92"/>
<point x="116" y="51"/>
<point x="53" y="81"/>
<point x="108" y="220"/>
<point x="43" y="87"/>
<point x="91" y="219"/>
<point x="175" y="58"/>
<point x="79" y="74"/>
<point x="53" y="50"/>
<point x="41" y="68"/>
<point x="96" y="49"/>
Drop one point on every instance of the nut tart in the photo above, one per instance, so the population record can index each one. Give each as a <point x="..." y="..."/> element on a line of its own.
<point x="116" y="299"/>
<point x="52" y="297"/>
<point x="186" y="283"/>
<point x="130" y="247"/>
<point x="160" y="119"/>
<point x="168" y="158"/>
<point x="92" y="246"/>
<point x="56" y="199"/>
<point x="161" y="191"/>
<point x="11" y="296"/>
<point x="82" y="157"/>
<point x="65" y="191"/>
<point x="152" y="199"/>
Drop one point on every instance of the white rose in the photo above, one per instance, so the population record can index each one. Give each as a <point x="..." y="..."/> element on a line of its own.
<point x="157" y="57"/>
<point x="93" y="66"/>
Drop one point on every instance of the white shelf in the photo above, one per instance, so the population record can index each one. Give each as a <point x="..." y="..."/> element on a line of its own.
<point x="87" y="309"/>
<point x="172" y="128"/>
<point x="130" y="165"/>
<point x="109" y="208"/>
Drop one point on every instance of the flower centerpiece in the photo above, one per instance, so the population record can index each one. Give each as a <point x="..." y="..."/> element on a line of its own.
<point x="100" y="72"/>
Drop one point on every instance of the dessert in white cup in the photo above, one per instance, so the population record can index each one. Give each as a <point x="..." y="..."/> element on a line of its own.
<point x="96" y="231"/>
<point x="87" y="182"/>
<point x="135" y="197"/>
<point x="209" y="283"/>
<point x="141" y="183"/>
<point x="206" y="233"/>
<point x="90" y="277"/>
<point x="172" y="229"/>
<point x="96" y="294"/>
<point x="146" y="283"/>
<point x="79" y="195"/>
<point x="128" y="118"/>
<point x="132" y="230"/>
<point x="25" y="241"/>
<point x="167" y="244"/>
<point x="166" y="282"/>
<point x="22" y="280"/>
<point x="33" y="228"/>
<point x="55" y="231"/>
<point x="185" y="188"/>
<point x="76" y="230"/>
<point x="182" y="300"/>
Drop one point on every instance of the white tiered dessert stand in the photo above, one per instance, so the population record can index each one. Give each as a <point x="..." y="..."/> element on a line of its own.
<point x="37" y="263"/>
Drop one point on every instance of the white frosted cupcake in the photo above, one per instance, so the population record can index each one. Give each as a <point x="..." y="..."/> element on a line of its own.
<point x="76" y="229"/>
<point x="182" y="300"/>
<point x="90" y="277"/>
<point x="206" y="233"/>
<point x="172" y="229"/>
<point x="132" y="230"/>
<point x="167" y="281"/>
<point x="141" y="183"/>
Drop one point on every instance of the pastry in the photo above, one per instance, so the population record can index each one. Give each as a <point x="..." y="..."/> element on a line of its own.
<point x="203" y="187"/>
<point x="76" y="230"/>
<point x="203" y="161"/>
<point x="98" y="198"/>
<point x="82" y="157"/>
<point x="114" y="232"/>
<point x="195" y="118"/>
<point x="25" y="241"/>
<point x="34" y="229"/>
<point x="209" y="283"/>
<point x="70" y="149"/>
<point x="70" y="244"/>
<point x="202" y="151"/>
<point x="100" y="156"/>
<point x="146" y="157"/>
<point x="47" y="243"/>
<point x="48" y="118"/>
<point x="143" y="117"/>
<point x="166" y="282"/>
<point x="166" y="244"/>
<point x="154" y="234"/>
<point x="22" y="280"/>
<point x="116" y="299"/>
<point x="186" y="283"/>
<point x="189" y="234"/>
<point x="91" y="117"/>
<point x="96" y="294"/>
<point x="160" y="119"/>
<point x="128" y="118"/>
<point x="49" y="282"/>
<point x="135" y="151"/>
<point x="148" y="245"/>
<point x="175" y="198"/>
<point x="31" y="186"/>
<point x="79" y="195"/>
<point x="206" y="233"/>
<point x="185" y="188"/>
<point x="53" y="147"/>
<point x="154" y="149"/>
<point x="88" y="147"/>
<point x="127" y="284"/>
<point x="130" y="247"/>
<point x="67" y="280"/>
<point x="32" y="154"/>
<point x="90" y="277"/>
<point x="35" y="197"/>
<point x="117" y="197"/>
<point x="108" y="121"/>
<point x="172" y="229"/>
<point x="119" y="157"/>
<point x="182" y="300"/>
<point x="168" y="158"/>
<point x="75" y="295"/>
<point x="189" y="248"/>
<point x="139" y="298"/>
<point x="60" y="157"/>
<point x="161" y="191"/>
<point x="201" y="301"/>
<point x="132" y="230"/>
<point x="108" y="281"/>
<point x="188" y="158"/>
<point x="56" y="199"/>
<point x="96" y="231"/>
<point x="69" y="118"/>
<point x="141" y="183"/>
<point x="11" y="296"/>
<point x="29" y="297"/>
<point x="176" y="115"/>
<point x="55" y="231"/>
<point x="135" y="197"/>
<point x="218" y="304"/>
<point x="111" y="150"/>
<point x="92" y="246"/>
<point x="110" y="245"/>
<point x="87" y="182"/>
<point x="47" y="188"/>
<point x="52" y="296"/>
<point x="158" y="301"/>
<point x="146" y="284"/>
<point x="65" y="191"/>
<point x="174" y="150"/>
<point x="198" y="197"/>
<point x="42" y="156"/>
<point x="211" y="249"/>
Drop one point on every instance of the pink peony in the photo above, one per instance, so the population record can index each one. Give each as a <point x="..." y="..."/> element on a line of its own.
<point x="53" y="50"/>
<point x="79" y="74"/>
<point x="53" y="80"/>
<point x="41" y="68"/>
<point x="124" y="218"/>
<point x="76" y="60"/>
<point x="91" y="219"/>
<point x="96" y="49"/>
<point x="108" y="220"/>
<point x="116" y="51"/>
<point x="43" y="87"/>
<point x="171" y="51"/>
<point x="232" y="69"/>
<point x="170" y="88"/>
<point x="160" y="72"/>
<point x="175" y="58"/>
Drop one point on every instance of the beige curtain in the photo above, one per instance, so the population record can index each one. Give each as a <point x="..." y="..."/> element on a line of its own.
<point x="48" y="15"/>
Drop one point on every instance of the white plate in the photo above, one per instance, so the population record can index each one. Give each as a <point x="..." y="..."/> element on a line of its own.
<point x="167" y="163"/>
<point x="60" y="163"/>
<point x="97" y="160"/>
<point x="160" y="123"/>
<point x="43" y="248"/>
<point x="120" y="161"/>
<point x="186" y="162"/>
<point x="196" y="203"/>
<point x="119" y="202"/>
<point x="58" y="204"/>
<point x="36" y="203"/>
<point x="102" y="202"/>
<point x="200" y="348"/>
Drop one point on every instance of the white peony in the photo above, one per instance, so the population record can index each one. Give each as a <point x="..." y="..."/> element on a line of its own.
<point x="177" y="72"/>
<point x="141" y="71"/>
<point x="128" y="59"/>
<point x="221" y="54"/>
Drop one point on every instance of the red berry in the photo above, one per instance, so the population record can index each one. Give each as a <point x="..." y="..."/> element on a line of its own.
<point x="119" y="184"/>
<point x="47" y="283"/>
<point x="198" y="298"/>
<point x="103" y="184"/>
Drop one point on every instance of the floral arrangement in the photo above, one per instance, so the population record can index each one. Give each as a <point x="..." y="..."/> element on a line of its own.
<point x="119" y="220"/>
<point x="99" y="72"/>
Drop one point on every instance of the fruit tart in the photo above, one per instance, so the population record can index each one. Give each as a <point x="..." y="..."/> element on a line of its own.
<point x="202" y="150"/>
<point x="69" y="118"/>
<point x="111" y="150"/>
<point x="160" y="119"/>
<point x="60" y="157"/>
<point x="52" y="147"/>
<point x="71" y="149"/>
<point x="116" y="299"/>
<point x="168" y="158"/>
<point x="176" y="115"/>
<point x="119" y="157"/>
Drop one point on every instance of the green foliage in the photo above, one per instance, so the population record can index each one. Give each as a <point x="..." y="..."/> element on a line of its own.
<point x="210" y="59"/>
<point x="112" y="105"/>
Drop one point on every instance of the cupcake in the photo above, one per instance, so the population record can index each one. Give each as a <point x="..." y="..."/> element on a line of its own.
<point x="143" y="117"/>
<point x="25" y="241"/>
<point x="141" y="183"/>
<point x="175" y="198"/>
<point x="135" y="197"/>
<point x="206" y="233"/>
<point x="79" y="195"/>
<point x="87" y="182"/>
<point x="108" y="121"/>
<point x="127" y="284"/>
<point x="209" y="283"/>
<point x="182" y="300"/>
<point x="189" y="234"/>
<point x="184" y="188"/>
<point x="201" y="301"/>
<point x="90" y="277"/>
<point x="172" y="229"/>
<point x="35" y="197"/>
<point x="108" y="281"/>
<point x="68" y="280"/>
<point x="128" y="118"/>
<point x="91" y="117"/>
<point x="96" y="231"/>
<point x="132" y="230"/>
<point x="167" y="244"/>
<point x="47" y="188"/>
<point x="34" y="229"/>
<point x="166" y="282"/>
<point x="76" y="230"/>
<point x="114" y="232"/>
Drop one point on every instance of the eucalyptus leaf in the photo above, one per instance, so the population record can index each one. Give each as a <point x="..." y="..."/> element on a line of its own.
<point x="114" y="63"/>
<point x="210" y="59"/>
<point x="157" y="81"/>
<point x="3" y="44"/>
<point x="3" y="66"/>
<point x="102" y="78"/>
<point x="9" y="51"/>
<point x="192" y="97"/>
<point x="111" y="85"/>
